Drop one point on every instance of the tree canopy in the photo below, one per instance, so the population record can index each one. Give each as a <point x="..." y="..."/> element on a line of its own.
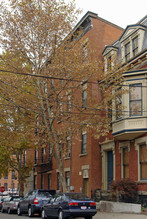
<point x="46" y="76"/>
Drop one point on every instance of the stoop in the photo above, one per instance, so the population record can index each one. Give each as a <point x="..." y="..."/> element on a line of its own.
<point x="119" y="207"/>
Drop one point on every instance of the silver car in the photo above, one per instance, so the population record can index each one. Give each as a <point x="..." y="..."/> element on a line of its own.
<point x="10" y="204"/>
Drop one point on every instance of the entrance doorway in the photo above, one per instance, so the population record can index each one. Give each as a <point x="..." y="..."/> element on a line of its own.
<point x="85" y="186"/>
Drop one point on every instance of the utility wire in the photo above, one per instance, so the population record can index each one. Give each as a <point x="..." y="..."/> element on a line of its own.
<point x="76" y="106"/>
<point x="62" y="79"/>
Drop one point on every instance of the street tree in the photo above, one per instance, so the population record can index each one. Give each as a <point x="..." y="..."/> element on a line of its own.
<point x="47" y="68"/>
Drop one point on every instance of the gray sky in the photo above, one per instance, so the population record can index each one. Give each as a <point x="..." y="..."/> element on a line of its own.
<point x="119" y="12"/>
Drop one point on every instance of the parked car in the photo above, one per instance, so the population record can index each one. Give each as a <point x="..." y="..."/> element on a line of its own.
<point x="33" y="201"/>
<point x="10" y="204"/>
<point x="2" y="199"/>
<point x="67" y="205"/>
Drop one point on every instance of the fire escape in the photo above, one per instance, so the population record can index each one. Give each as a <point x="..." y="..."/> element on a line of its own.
<point x="43" y="164"/>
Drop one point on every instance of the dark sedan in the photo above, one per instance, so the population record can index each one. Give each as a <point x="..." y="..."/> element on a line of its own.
<point x="67" y="205"/>
<point x="33" y="201"/>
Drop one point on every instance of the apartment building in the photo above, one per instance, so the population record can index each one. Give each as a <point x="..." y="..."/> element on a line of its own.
<point x="124" y="153"/>
<point x="10" y="183"/>
<point x="82" y="166"/>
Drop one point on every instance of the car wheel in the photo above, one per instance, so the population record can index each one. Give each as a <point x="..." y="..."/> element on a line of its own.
<point x="60" y="215"/>
<point x="18" y="211"/>
<point x="43" y="216"/>
<point x="9" y="211"/>
<point x="30" y="212"/>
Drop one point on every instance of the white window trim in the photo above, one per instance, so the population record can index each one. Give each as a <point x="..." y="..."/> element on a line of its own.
<point x="105" y="147"/>
<point x="139" y="142"/>
<point x="128" y="39"/>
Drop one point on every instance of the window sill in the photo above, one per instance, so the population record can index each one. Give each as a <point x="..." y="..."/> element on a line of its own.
<point x="82" y="155"/>
<point x="143" y="181"/>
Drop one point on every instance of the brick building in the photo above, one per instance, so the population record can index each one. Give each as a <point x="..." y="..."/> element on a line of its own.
<point x="124" y="153"/>
<point x="10" y="183"/>
<point x="83" y="170"/>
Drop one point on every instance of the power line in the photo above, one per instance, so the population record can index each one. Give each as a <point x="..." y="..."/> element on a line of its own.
<point x="76" y="106"/>
<point x="64" y="79"/>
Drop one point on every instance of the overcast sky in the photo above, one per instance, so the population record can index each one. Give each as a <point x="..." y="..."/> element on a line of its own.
<point x="119" y="12"/>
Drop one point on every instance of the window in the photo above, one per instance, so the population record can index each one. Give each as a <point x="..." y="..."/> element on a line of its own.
<point x="52" y="83"/>
<point x="125" y="163"/>
<point x="6" y="177"/>
<point x="13" y="175"/>
<point x="84" y="143"/>
<point x="42" y="181"/>
<point x="68" y="147"/>
<point x="58" y="182"/>
<point x="36" y="156"/>
<point x="43" y="155"/>
<point x="49" y="181"/>
<point x="118" y="103"/>
<point x="127" y="51"/>
<point x="51" y="111"/>
<point x="60" y="110"/>
<point x="68" y="103"/>
<point x="109" y="111"/>
<point x="143" y="162"/>
<point x="12" y="185"/>
<point x="136" y="100"/>
<point x="24" y="157"/>
<point x="6" y="186"/>
<point x="67" y="178"/>
<point x="109" y="63"/>
<point x="135" y="46"/>
<point x="84" y="99"/>
<point x="85" y="52"/>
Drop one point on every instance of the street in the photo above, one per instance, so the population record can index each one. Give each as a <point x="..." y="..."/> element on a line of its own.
<point x="99" y="215"/>
<point x="14" y="216"/>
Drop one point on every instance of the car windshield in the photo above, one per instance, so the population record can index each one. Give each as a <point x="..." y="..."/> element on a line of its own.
<point x="77" y="196"/>
<point x="17" y="198"/>
<point x="44" y="194"/>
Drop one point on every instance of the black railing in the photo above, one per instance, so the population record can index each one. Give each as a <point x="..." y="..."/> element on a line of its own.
<point x="43" y="164"/>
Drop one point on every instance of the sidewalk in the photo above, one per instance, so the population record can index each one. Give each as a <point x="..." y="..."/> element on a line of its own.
<point x="106" y="215"/>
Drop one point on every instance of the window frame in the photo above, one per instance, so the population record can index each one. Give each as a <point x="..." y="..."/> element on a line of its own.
<point x="118" y="104"/>
<point x="134" y="100"/>
<point x="13" y="174"/>
<point x="140" y="163"/>
<point x="135" y="46"/>
<point x="67" y="178"/>
<point x="83" y="144"/>
<point x="84" y="98"/>
<point x="123" y="161"/>
<point x="127" y="51"/>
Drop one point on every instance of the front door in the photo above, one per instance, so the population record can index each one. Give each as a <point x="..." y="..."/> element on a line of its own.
<point x="109" y="168"/>
<point x="85" y="186"/>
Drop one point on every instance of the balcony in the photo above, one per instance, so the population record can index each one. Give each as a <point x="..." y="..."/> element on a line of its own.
<point x="43" y="165"/>
<point x="129" y="128"/>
